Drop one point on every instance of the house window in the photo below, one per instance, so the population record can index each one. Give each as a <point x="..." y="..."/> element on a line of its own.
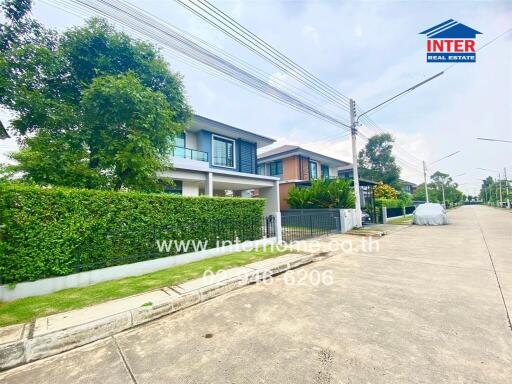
<point x="313" y="170"/>
<point x="179" y="145"/>
<point x="223" y="152"/>
<point x="261" y="169"/>
<point x="325" y="171"/>
<point x="345" y="174"/>
<point x="276" y="168"/>
<point x="176" y="189"/>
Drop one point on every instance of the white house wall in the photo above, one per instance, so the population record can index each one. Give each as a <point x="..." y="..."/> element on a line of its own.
<point x="191" y="140"/>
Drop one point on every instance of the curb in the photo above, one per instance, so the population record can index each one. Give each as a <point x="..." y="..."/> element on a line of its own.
<point x="30" y="348"/>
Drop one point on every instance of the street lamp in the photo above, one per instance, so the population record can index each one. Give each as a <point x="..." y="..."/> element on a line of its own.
<point x="425" y="173"/>
<point x="500" y="140"/>
<point x="354" y="122"/>
<point x="499" y="182"/>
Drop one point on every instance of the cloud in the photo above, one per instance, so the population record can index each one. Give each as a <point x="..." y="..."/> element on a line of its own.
<point x="369" y="51"/>
<point x="310" y="35"/>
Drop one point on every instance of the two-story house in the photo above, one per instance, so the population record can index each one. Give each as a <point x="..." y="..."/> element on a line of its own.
<point x="408" y="186"/>
<point x="215" y="159"/>
<point x="296" y="166"/>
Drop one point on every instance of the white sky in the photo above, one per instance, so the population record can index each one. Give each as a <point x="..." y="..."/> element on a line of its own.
<point x="368" y="51"/>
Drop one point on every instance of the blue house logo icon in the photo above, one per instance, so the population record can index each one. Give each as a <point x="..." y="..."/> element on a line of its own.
<point x="451" y="41"/>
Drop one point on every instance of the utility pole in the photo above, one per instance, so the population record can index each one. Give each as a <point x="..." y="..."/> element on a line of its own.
<point x="425" y="179"/>
<point x="355" y="172"/>
<point x="506" y="187"/>
<point x="499" y="181"/>
<point x="444" y="200"/>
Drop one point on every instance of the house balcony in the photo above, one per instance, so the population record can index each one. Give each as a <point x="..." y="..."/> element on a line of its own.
<point x="188" y="153"/>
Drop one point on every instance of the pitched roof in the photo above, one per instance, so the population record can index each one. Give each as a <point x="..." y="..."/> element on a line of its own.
<point x="203" y="123"/>
<point x="3" y="132"/>
<point x="278" y="150"/>
<point x="405" y="182"/>
<point x="292" y="150"/>
<point x="451" y="29"/>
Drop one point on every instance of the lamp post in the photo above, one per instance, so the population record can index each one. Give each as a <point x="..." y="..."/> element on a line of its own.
<point x="499" y="183"/>
<point x="425" y="173"/>
<point x="354" y="122"/>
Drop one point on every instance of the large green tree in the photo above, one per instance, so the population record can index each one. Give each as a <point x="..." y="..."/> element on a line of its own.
<point x="376" y="161"/>
<point x="94" y="108"/>
<point x="440" y="181"/>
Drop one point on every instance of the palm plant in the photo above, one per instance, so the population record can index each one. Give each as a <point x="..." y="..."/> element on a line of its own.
<point x="327" y="193"/>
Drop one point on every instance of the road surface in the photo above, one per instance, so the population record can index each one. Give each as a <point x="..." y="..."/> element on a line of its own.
<point x="429" y="307"/>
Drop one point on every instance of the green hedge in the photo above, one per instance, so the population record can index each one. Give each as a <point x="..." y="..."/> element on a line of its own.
<point x="59" y="231"/>
<point x="388" y="203"/>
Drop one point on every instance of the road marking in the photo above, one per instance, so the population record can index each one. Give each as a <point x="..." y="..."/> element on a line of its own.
<point x="495" y="273"/>
<point x="124" y="360"/>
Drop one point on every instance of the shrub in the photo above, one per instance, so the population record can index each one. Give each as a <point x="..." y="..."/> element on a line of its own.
<point x="388" y="203"/>
<point x="337" y="193"/>
<point x="385" y="191"/>
<point x="59" y="231"/>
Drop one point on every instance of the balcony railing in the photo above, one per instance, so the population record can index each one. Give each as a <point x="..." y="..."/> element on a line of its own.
<point x="187" y="153"/>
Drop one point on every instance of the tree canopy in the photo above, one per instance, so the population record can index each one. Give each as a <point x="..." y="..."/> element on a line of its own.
<point x="93" y="107"/>
<point x="440" y="181"/>
<point x="376" y="161"/>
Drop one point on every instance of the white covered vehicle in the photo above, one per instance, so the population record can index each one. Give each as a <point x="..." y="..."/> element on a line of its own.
<point x="430" y="214"/>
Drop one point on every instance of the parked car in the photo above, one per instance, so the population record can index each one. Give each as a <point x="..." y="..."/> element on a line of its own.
<point x="430" y="214"/>
<point x="366" y="218"/>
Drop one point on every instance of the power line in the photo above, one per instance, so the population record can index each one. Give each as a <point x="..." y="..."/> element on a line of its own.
<point x="79" y="11"/>
<point x="149" y="27"/>
<point x="239" y="33"/>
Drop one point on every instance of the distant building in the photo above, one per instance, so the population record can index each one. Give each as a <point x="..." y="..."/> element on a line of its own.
<point x="408" y="187"/>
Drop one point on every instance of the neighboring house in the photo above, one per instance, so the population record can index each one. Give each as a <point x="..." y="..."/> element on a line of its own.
<point x="294" y="165"/>
<point x="215" y="159"/>
<point x="408" y="187"/>
<point x="3" y="132"/>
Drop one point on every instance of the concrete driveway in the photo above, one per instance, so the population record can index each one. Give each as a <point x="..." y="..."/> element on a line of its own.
<point x="429" y="307"/>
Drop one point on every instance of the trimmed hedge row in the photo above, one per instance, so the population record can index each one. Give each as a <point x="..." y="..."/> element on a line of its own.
<point x="59" y="231"/>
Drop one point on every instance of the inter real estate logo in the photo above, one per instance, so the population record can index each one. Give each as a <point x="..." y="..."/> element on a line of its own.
<point x="451" y="42"/>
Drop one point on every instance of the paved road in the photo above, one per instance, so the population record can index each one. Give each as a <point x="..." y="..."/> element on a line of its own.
<point x="429" y="307"/>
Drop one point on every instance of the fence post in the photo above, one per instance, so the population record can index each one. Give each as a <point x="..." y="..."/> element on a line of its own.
<point x="384" y="215"/>
<point x="403" y="210"/>
<point x="341" y="220"/>
<point x="278" y="228"/>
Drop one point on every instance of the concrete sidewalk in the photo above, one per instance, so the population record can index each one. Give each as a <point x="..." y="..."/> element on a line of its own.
<point x="50" y="335"/>
<point x="429" y="307"/>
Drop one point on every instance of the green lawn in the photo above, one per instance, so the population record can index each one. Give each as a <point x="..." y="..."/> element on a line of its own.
<point x="401" y="220"/>
<point x="29" y="308"/>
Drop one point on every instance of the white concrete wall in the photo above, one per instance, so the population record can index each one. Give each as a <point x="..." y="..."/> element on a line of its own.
<point x="190" y="188"/>
<point x="53" y="284"/>
<point x="348" y="219"/>
<point x="271" y="194"/>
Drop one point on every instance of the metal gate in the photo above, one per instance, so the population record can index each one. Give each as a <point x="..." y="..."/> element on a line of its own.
<point x="303" y="225"/>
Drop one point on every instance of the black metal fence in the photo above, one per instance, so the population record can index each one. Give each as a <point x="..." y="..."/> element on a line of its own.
<point x="134" y="245"/>
<point x="100" y="248"/>
<point x="303" y="224"/>
<point x="400" y="211"/>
